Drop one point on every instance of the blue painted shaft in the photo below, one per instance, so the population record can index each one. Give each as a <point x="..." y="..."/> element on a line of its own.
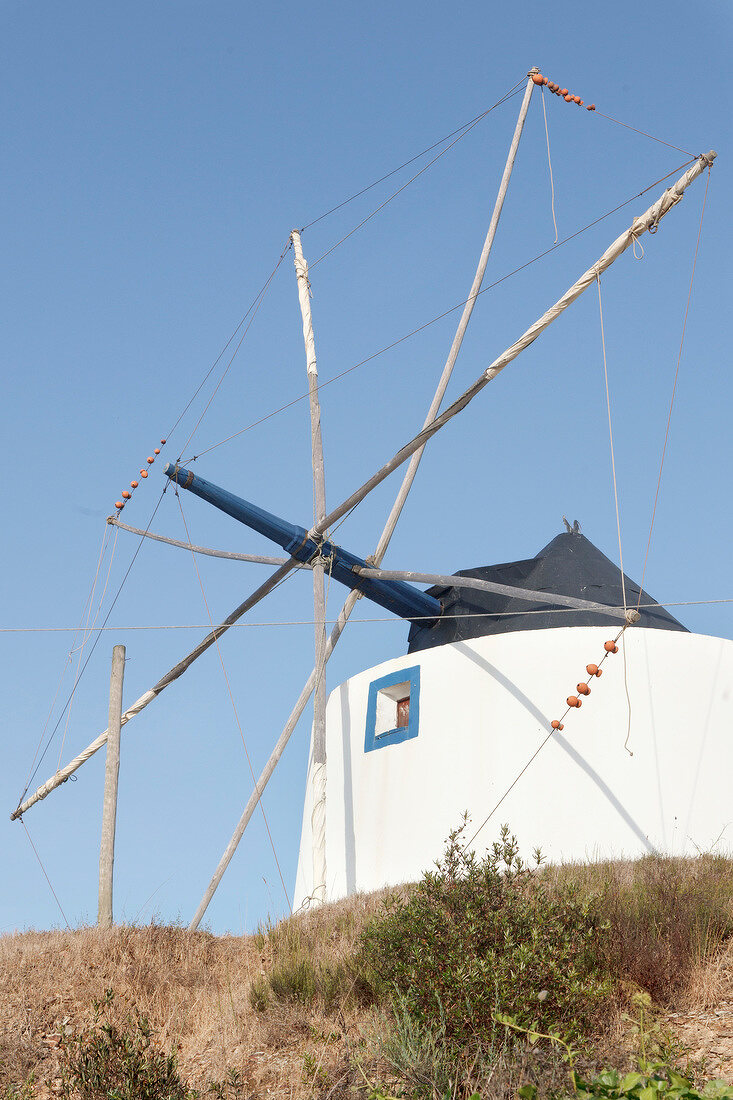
<point x="397" y="596"/>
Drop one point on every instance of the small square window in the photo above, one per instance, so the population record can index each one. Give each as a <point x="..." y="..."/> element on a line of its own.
<point x="393" y="709"/>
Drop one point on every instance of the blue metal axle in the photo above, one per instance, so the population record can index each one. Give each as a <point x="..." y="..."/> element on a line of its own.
<point x="397" y="596"/>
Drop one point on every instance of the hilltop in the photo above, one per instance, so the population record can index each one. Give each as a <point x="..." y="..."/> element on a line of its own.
<point x="296" y="1010"/>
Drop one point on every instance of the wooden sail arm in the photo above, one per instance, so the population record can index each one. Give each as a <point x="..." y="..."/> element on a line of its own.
<point x="256" y="559"/>
<point x="508" y="590"/>
<point x="649" y="220"/>
<point x="147" y="697"/>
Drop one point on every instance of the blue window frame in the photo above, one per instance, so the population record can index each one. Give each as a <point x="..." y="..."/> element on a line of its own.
<point x="389" y="697"/>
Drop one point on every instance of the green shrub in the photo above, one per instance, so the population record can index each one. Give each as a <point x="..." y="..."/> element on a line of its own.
<point x="107" y="1062"/>
<point x="654" y="1082"/>
<point x="479" y="937"/>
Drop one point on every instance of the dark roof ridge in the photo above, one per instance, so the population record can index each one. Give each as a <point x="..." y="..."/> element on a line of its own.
<point x="570" y="564"/>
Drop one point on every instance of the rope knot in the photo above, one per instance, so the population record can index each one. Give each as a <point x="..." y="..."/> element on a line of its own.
<point x="636" y="243"/>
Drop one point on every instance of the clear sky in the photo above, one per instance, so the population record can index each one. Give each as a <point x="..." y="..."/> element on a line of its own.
<point x="156" y="157"/>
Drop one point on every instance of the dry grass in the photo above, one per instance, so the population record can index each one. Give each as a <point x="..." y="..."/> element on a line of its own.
<point x="669" y="919"/>
<point x="194" y="989"/>
<point x="670" y="928"/>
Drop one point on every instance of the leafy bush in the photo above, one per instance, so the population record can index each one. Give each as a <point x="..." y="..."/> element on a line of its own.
<point x="479" y="937"/>
<point x="107" y="1062"/>
<point x="653" y="1083"/>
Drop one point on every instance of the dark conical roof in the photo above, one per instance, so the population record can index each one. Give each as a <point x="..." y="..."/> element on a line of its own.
<point x="569" y="565"/>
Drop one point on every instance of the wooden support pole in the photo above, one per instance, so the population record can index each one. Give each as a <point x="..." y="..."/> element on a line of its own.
<point x="112" y="771"/>
<point x="256" y="559"/>
<point x="269" y="768"/>
<point x="318" y="763"/>
<point x="317" y="677"/>
<point x="411" y="471"/>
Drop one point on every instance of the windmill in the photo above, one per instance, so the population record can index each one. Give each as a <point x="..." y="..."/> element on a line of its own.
<point x="314" y="548"/>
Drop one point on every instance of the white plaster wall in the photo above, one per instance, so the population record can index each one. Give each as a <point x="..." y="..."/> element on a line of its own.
<point x="485" y="707"/>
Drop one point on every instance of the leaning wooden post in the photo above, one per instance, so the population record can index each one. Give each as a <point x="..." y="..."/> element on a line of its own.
<point x="112" y="771"/>
<point x="318" y="775"/>
<point x="389" y="527"/>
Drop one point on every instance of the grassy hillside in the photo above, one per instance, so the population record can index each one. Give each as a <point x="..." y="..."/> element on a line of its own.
<point x="436" y="990"/>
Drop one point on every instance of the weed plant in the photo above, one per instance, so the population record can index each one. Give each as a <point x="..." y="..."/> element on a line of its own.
<point x="654" y="1082"/>
<point x="108" y="1062"/>
<point x="481" y="936"/>
<point x="670" y="916"/>
<point x="302" y="973"/>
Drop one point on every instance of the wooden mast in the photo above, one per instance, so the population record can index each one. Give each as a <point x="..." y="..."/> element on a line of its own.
<point x="435" y="404"/>
<point x="318" y="765"/>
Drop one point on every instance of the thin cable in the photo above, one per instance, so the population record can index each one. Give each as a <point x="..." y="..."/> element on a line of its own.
<point x="674" y="387"/>
<point x="70" y="654"/>
<point x="259" y="302"/>
<point x="411" y="180"/>
<point x="511" y="786"/>
<point x="234" y="706"/>
<point x="644" y="134"/>
<point x="94" y="646"/>
<point x="412" y="160"/>
<point x="377" y="619"/>
<point x="549" y="162"/>
<point x="610" y="437"/>
<point x="618" y="518"/>
<point x="221" y="353"/>
<point x="533" y="757"/>
<point x="88" y="631"/>
<point x="48" y="880"/>
<point x="421" y="328"/>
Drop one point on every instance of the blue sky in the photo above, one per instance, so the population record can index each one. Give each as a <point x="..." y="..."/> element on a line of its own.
<point x="156" y="158"/>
